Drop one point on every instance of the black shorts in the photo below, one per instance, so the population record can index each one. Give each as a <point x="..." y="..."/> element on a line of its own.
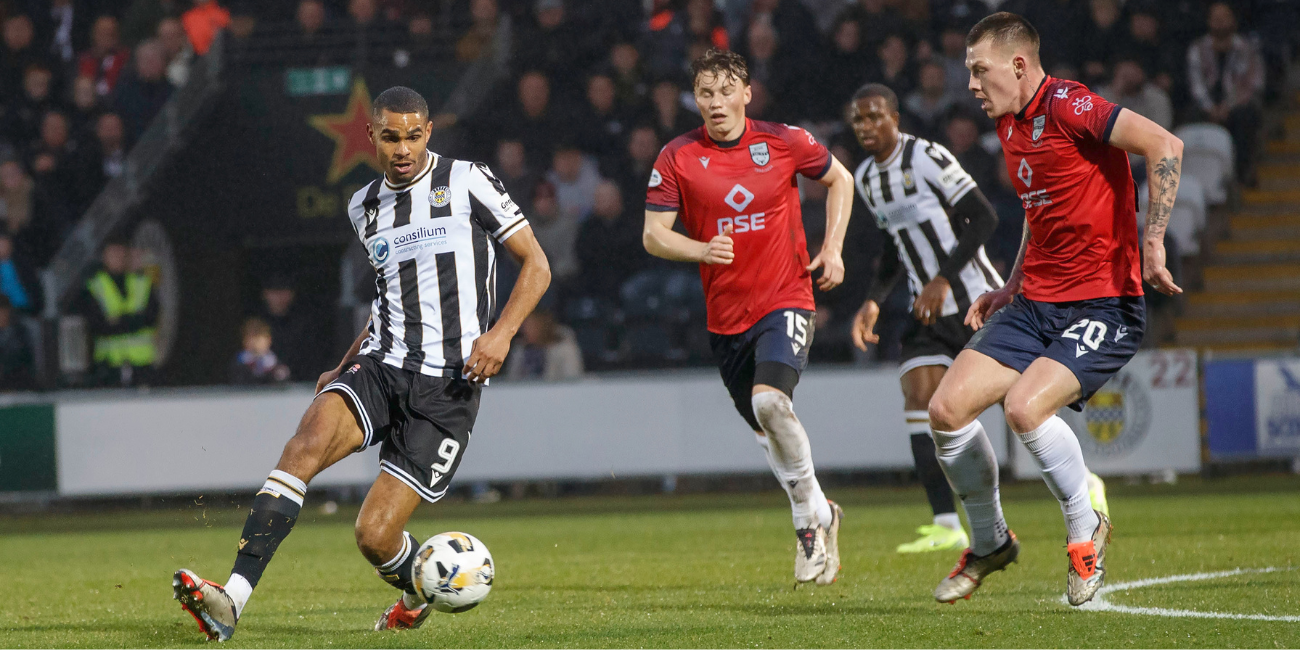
<point x="773" y="352"/>
<point x="936" y="344"/>
<point x="1093" y="338"/>
<point x="421" y="423"/>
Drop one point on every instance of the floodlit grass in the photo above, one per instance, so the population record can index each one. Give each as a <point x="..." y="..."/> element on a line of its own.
<point x="696" y="571"/>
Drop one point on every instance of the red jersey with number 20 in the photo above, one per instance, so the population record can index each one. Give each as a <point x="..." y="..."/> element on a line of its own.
<point x="748" y="184"/>
<point x="1077" y="191"/>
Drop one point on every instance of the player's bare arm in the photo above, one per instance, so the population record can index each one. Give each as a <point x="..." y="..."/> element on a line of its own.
<point x="661" y="240"/>
<point x="1163" y="152"/>
<point x="490" y="349"/>
<point x="989" y="303"/>
<point x="839" y="204"/>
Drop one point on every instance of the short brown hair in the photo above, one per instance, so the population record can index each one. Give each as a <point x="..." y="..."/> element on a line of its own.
<point x="722" y="63"/>
<point x="1005" y="28"/>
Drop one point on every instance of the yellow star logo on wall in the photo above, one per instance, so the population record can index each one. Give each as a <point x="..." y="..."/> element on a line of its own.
<point x="352" y="145"/>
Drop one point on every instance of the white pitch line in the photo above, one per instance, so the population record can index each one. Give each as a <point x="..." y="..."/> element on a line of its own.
<point x="1100" y="604"/>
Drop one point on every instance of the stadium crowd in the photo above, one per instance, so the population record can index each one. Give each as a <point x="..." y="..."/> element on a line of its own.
<point x="595" y="88"/>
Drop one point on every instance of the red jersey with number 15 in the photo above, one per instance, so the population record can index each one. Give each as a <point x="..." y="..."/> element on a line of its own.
<point x="1077" y="191"/>
<point x="748" y="184"/>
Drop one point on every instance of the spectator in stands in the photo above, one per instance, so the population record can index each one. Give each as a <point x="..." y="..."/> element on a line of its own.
<point x="630" y="87"/>
<point x="291" y="329"/>
<point x="773" y="66"/>
<point x="574" y="177"/>
<point x="557" y="234"/>
<point x="1061" y="28"/>
<point x="477" y="40"/>
<point x="961" y="134"/>
<point x="1159" y="61"/>
<point x="110" y="136"/>
<point x="671" y="120"/>
<point x="16" y="197"/>
<point x="549" y="351"/>
<point x="556" y="46"/>
<point x="256" y="363"/>
<point x="60" y="166"/>
<point x="845" y="68"/>
<point x="665" y="39"/>
<point x="202" y="22"/>
<point x="106" y="58"/>
<point x="952" y="56"/>
<point x="632" y="171"/>
<point x="176" y="51"/>
<point x="512" y="169"/>
<point x="143" y="92"/>
<point x="37" y="221"/>
<point x="601" y="125"/>
<point x="1129" y="88"/>
<point x="929" y="103"/>
<point x="1226" y="74"/>
<point x="531" y="118"/>
<point x="19" y="53"/>
<point x="17" y="361"/>
<point x="609" y="244"/>
<point x="26" y="110"/>
<point x="894" y="66"/>
<point x="879" y="21"/>
<point x="86" y="108"/>
<point x="65" y="27"/>
<point x="121" y="312"/>
<point x="142" y="18"/>
<point x="1106" y="34"/>
<point x="17" y="278"/>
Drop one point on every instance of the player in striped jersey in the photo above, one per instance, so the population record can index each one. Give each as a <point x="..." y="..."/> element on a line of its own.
<point x="411" y="380"/>
<point x="938" y="221"/>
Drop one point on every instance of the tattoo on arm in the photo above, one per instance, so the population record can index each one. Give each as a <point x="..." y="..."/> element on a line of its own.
<point x="1162" y="181"/>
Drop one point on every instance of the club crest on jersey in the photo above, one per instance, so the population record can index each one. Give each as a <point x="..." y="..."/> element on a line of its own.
<point x="379" y="250"/>
<point x="440" y="196"/>
<point x="908" y="181"/>
<point x="1039" y="123"/>
<point x="759" y="154"/>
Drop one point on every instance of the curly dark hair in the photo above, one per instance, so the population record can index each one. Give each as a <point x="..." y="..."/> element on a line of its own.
<point x="722" y="63"/>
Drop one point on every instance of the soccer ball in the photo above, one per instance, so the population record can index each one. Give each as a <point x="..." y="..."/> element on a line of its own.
<point x="453" y="572"/>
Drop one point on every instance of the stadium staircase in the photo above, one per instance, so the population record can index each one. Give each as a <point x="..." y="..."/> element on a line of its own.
<point x="1250" y="301"/>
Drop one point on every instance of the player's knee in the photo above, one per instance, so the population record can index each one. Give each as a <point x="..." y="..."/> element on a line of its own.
<point x="771" y="408"/>
<point x="375" y="542"/>
<point x="944" y="414"/>
<point x="1022" y="415"/>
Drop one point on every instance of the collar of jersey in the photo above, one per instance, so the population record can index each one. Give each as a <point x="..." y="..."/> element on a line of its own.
<point x="1033" y="101"/>
<point x="433" y="161"/>
<point x="898" y="147"/>
<point x="727" y="144"/>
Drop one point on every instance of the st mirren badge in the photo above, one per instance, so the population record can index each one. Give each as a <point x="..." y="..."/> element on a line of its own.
<point x="1039" y="123"/>
<point x="759" y="154"/>
<point x="440" y="196"/>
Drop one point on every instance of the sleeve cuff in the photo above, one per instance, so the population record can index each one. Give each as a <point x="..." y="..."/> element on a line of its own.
<point x="825" y="168"/>
<point x="1110" y="124"/>
<point x="657" y="207"/>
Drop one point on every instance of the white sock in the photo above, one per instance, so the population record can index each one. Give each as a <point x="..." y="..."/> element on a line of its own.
<point x="967" y="458"/>
<point x="1057" y="451"/>
<point x="918" y="422"/>
<point x="239" y="590"/>
<point x="790" y="456"/>
<point x="948" y="520"/>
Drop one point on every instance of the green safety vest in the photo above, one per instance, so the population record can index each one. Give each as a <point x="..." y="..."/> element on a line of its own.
<point x="135" y="348"/>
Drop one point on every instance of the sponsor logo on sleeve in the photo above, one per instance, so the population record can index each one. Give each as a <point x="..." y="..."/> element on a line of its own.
<point x="655" y="178"/>
<point x="1082" y="104"/>
<point x="951" y="178"/>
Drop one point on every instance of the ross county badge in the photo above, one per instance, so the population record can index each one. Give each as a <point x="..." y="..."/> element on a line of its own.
<point x="759" y="154"/>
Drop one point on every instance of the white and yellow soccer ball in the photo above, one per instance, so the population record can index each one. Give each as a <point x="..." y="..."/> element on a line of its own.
<point x="453" y="571"/>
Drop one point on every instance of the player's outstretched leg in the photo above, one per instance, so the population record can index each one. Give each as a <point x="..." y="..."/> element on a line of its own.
<point x="391" y="550"/>
<point x="327" y="433"/>
<point x="1031" y="411"/>
<point x="790" y="456"/>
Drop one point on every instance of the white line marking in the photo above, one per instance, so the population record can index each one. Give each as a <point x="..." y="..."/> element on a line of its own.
<point x="1099" y="603"/>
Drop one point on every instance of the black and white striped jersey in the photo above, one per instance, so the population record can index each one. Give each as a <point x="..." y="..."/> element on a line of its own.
<point x="911" y="195"/>
<point x="430" y="243"/>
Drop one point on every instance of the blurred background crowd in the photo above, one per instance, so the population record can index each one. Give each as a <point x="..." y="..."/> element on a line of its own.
<point x="592" y="90"/>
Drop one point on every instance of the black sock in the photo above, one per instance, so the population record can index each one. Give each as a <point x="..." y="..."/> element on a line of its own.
<point x="397" y="571"/>
<point x="936" y="485"/>
<point x="275" y="510"/>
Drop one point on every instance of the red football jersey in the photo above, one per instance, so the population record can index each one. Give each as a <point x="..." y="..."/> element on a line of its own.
<point x="1078" y="195"/>
<point x="748" y="184"/>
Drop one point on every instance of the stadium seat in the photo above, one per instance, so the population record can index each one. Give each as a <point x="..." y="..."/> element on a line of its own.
<point x="1187" y="220"/>
<point x="1208" y="157"/>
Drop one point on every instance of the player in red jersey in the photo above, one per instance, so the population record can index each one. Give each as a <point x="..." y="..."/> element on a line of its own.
<point x="732" y="181"/>
<point x="1072" y="312"/>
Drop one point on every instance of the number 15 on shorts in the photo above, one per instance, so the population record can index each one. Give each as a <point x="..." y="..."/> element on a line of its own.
<point x="796" y="328"/>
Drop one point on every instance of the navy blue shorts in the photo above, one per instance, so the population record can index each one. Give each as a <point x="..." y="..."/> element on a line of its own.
<point x="773" y="352"/>
<point x="1093" y="338"/>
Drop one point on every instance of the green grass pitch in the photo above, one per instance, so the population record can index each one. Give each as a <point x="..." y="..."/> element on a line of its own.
<point x="690" y="571"/>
